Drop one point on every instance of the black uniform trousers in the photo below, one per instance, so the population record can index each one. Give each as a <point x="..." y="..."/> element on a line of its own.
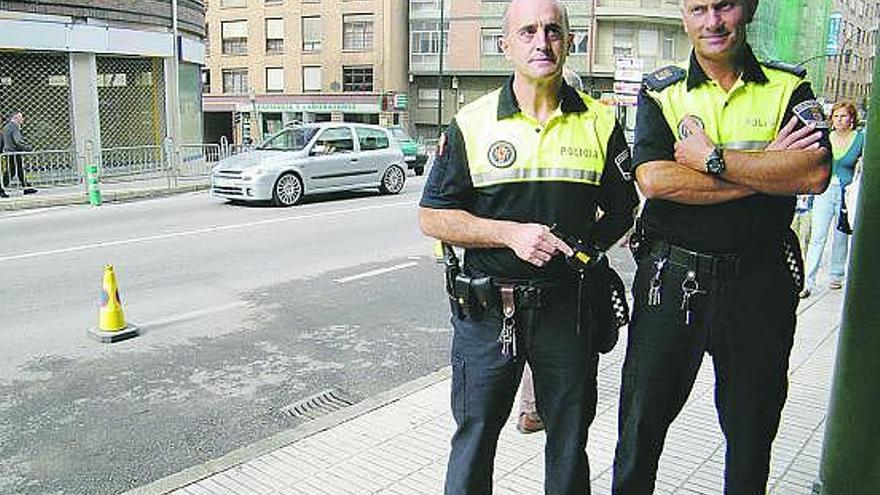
<point x="484" y="384"/>
<point x="746" y="322"/>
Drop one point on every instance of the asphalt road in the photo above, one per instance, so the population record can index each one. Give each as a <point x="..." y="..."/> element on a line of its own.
<point x="244" y="311"/>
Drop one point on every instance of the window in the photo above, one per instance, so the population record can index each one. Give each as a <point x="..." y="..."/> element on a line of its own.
<point x="668" y="47"/>
<point x="357" y="32"/>
<point x="581" y="36"/>
<point x="357" y="78"/>
<point x="293" y="139"/>
<point x="336" y="140"/>
<point x="425" y="37"/>
<point x="372" y="139"/>
<point x="623" y="42"/>
<point x="648" y="42"/>
<point x="416" y="6"/>
<point x="274" y="79"/>
<point x="429" y="98"/>
<point x="490" y="41"/>
<point x="274" y="35"/>
<point x="311" y="33"/>
<point x="311" y="78"/>
<point x="235" y="36"/>
<point x="206" y="80"/>
<point x="235" y="81"/>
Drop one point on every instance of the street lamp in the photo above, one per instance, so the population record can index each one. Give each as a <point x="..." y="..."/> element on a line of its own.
<point x="440" y="75"/>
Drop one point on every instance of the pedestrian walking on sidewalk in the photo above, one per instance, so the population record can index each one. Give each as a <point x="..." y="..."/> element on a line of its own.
<point x="14" y="142"/>
<point x="829" y="208"/>
<point x="723" y="144"/>
<point x="532" y="154"/>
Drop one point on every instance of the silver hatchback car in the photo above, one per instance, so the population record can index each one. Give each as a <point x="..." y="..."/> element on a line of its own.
<point x="312" y="158"/>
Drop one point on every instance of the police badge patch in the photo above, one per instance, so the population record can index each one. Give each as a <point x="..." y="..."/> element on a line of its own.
<point x="621" y="160"/>
<point x="683" y="131"/>
<point x="810" y="112"/>
<point x="502" y="154"/>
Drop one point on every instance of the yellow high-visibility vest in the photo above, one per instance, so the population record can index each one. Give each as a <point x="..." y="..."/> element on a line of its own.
<point x="570" y="147"/>
<point x="746" y="118"/>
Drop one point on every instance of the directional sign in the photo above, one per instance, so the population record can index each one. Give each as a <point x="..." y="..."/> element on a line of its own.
<point x="628" y="75"/>
<point x="627" y="88"/>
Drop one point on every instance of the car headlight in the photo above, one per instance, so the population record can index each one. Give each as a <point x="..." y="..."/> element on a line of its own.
<point x="252" y="173"/>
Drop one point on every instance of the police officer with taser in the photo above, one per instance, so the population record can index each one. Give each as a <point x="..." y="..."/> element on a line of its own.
<point x="723" y="144"/>
<point x="533" y="154"/>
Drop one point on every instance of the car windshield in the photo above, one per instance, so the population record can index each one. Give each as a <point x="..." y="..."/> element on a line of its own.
<point x="400" y="135"/>
<point x="291" y="139"/>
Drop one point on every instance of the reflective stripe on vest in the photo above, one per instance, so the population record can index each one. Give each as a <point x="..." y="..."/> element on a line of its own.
<point x="746" y="118"/>
<point x="569" y="148"/>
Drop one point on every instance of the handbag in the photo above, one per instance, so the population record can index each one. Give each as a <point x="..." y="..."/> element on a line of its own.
<point x="842" y="216"/>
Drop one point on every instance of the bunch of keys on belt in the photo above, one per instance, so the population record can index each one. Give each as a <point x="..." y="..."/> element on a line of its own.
<point x="689" y="288"/>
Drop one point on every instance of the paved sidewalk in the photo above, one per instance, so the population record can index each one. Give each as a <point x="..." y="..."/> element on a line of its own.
<point x="110" y="192"/>
<point x="397" y="443"/>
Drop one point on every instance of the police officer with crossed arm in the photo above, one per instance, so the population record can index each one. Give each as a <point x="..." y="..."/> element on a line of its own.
<point x="530" y="155"/>
<point x="723" y="144"/>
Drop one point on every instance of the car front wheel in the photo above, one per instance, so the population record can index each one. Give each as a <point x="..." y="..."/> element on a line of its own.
<point x="288" y="190"/>
<point x="392" y="180"/>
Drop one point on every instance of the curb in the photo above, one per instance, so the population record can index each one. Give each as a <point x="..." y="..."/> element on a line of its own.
<point x="16" y="204"/>
<point x="293" y="435"/>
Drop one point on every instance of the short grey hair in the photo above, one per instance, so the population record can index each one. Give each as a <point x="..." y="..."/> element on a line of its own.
<point x="505" y="21"/>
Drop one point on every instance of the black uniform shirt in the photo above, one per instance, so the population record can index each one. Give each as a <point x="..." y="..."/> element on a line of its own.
<point x="750" y="223"/>
<point x="573" y="206"/>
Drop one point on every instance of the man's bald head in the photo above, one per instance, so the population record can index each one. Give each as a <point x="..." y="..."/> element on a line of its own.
<point x="505" y="23"/>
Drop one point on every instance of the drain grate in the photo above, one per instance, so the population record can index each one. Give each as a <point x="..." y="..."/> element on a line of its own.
<point x="318" y="405"/>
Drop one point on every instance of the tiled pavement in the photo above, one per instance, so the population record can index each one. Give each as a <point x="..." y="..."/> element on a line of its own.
<point x="397" y="444"/>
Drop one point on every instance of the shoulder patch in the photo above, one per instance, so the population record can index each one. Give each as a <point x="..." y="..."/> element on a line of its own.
<point x="810" y="112"/>
<point x="661" y="79"/>
<point x="786" y="67"/>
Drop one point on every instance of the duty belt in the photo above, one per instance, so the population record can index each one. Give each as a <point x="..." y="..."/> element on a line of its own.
<point x="715" y="265"/>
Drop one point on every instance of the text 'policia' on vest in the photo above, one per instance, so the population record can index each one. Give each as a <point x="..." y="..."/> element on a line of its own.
<point x="570" y="148"/>
<point x="749" y="119"/>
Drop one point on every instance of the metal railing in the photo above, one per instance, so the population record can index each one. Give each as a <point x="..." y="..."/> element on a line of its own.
<point x="133" y="166"/>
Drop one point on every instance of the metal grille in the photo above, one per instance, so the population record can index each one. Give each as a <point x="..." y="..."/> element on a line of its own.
<point x="196" y="160"/>
<point x="319" y="404"/>
<point x="131" y="99"/>
<point x="38" y="85"/>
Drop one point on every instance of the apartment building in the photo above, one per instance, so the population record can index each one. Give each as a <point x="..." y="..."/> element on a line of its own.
<point x="271" y="62"/>
<point x="647" y="33"/>
<point x="852" y="50"/>
<point x="102" y="72"/>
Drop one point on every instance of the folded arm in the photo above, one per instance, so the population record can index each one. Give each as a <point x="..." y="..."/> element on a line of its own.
<point x="674" y="182"/>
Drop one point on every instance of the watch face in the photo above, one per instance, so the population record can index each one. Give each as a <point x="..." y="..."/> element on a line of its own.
<point x="715" y="164"/>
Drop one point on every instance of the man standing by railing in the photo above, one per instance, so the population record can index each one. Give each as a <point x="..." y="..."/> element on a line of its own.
<point x="13" y="142"/>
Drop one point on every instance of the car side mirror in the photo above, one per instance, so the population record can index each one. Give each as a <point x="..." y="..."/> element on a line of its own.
<point x="318" y="149"/>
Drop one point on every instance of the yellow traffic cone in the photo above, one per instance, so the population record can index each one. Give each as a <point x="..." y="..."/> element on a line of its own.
<point x="111" y="319"/>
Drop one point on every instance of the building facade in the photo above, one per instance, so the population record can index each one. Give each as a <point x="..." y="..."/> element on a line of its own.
<point x="645" y="33"/>
<point x="852" y="51"/>
<point x="271" y="62"/>
<point x="102" y="72"/>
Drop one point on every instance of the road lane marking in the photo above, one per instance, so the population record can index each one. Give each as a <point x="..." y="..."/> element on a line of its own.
<point x="186" y="233"/>
<point x="373" y="273"/>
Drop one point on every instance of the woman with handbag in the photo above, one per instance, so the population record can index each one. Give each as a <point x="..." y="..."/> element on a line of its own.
<point x="829" y="208"/>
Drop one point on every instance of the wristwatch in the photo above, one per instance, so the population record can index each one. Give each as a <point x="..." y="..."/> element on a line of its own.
<point x="715" y="162"/>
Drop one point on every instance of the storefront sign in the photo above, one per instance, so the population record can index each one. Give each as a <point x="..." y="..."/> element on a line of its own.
<point x="324" y="107"/>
